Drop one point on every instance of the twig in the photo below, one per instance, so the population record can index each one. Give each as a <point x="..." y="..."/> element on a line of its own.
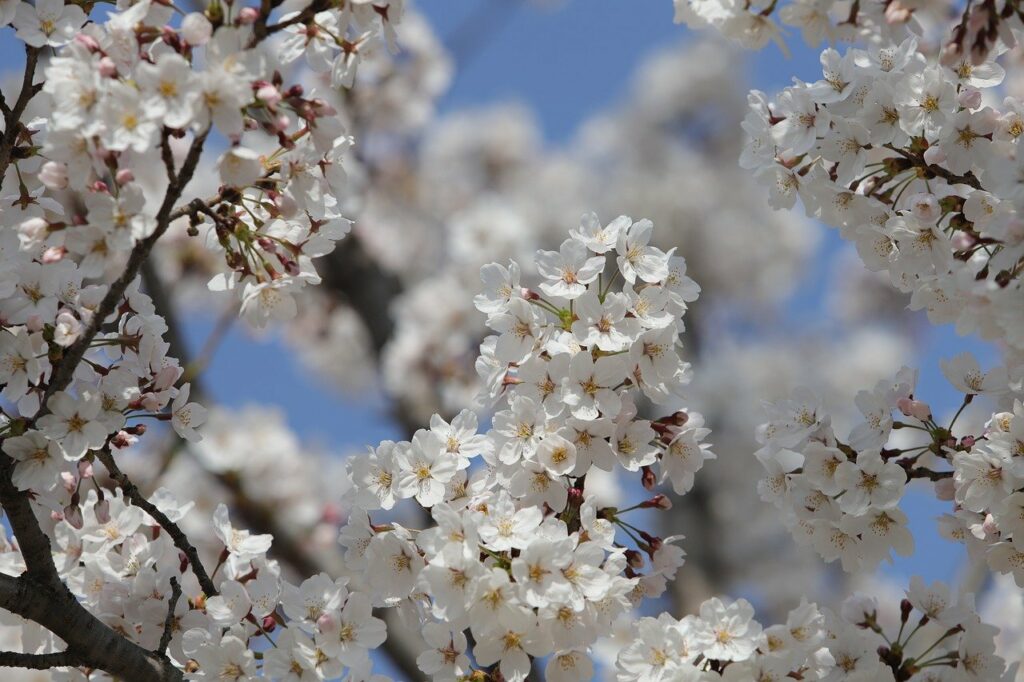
<point x="65" y="368"/>
<point x="165" y="638"/>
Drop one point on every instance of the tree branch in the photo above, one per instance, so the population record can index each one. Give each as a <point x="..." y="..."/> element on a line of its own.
<point x="181" y="541"/>
<point x="90" y="641"/>
<point x="12" y="116"/>
<point x="59" y="659"/>
<point x="172" y="603"/>
<point x="65" y="369"/>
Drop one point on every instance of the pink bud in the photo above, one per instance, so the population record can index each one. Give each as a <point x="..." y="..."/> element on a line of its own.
<point x="124" y="176"/>
<point x="87" y="41"/>
<point x="102" y="511"/>
<point x="944" y="489"/>
<point x="123" y="440"/>
<point x="647" y="478"/>
<point x="283" y="122"/>
<point x="54" y="254"/>
<point x="269" y="623"/>
<point x="100" y="186"/>
<point x="107" y="67"/>
<point x="657" y="502"/>
<point x="67" y="481"/>
<point x="967" y="442"/>
<point x="990" y="526"/>
<point x="269" y="94"/>
<point x="56" y="516"/>
<point x="73" y="515"/>
<point x="248" y="15"/>
<point x="969" y="98"/>
<point x="54" y="175"/>
<point x="934" y="155"/>
<point x="84" y="469"/>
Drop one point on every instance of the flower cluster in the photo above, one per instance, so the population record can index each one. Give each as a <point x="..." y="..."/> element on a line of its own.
<point x="937" y="639"/>
<point x="842" y="497"/>
<point x="902" y="154"/>
<point x="522" y="554"/>
<point x="982" y="26"/>
<point x="135" y="93"/>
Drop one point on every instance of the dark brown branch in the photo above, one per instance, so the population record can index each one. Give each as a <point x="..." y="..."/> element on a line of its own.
<point x="172" y="603"/>
<point x="181" y="541"/>
<point x="12" y="116"/>
<point x="60" y="659"/>
<point x="89" y="640"/>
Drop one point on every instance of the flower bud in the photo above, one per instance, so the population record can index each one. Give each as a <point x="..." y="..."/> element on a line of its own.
<point x="67" y="481"/>
<point x="73" y="515"/>
<point x="248" y="15"/>
<point x="659" y="501"/>
<point x="269" y="624"/>
<point x="107" y="67"/>
<point x="84" y="469"/>
<point x="124" y="176"/>
<point x="268" y="94"/>
<point x="33" y="231"/>
<point x="102" y="511"/>
<point x="54" y="175"/>
<point x="647" y="478"/>
<point x="67" y="329"/>
<point x="54" y="254"/>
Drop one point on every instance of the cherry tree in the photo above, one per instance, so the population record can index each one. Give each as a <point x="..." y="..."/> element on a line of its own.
<point x="223" y="136"/>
